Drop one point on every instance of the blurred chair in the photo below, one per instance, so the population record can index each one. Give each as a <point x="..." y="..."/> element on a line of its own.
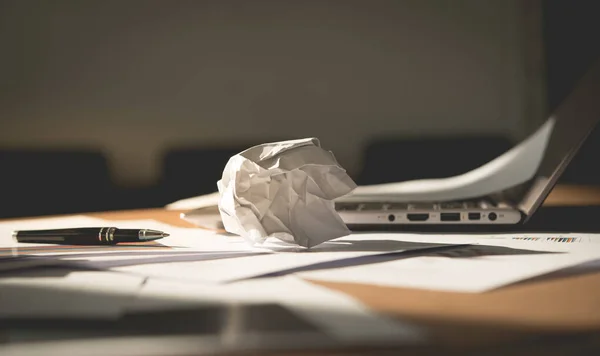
<point x="400" y="159"/>
<point x="395" y="160"/>
<point x="191" y="171"/>
<point x="44" y="182"/>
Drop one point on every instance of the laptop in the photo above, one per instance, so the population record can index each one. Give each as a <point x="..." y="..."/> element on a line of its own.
<point x="528" y="172"/>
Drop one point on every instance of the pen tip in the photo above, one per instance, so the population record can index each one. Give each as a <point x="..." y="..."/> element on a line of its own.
<point x="165" y="234"/>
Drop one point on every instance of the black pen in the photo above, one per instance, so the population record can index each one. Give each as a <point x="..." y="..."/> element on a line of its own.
<point x="88" y="236"/>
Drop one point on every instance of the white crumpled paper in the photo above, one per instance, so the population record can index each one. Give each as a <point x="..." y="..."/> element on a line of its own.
<point x="284" y="190"/>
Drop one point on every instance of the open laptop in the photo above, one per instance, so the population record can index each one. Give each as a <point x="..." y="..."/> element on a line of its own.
<point x="555" y="144"/>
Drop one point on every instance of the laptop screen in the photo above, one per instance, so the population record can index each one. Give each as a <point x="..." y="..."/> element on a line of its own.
<point x="574" y="119"/>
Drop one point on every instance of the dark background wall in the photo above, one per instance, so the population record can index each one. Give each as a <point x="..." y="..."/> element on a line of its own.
<point x="134" y="78"/>
<point x="155" y="95"/>
<point x="571" y="31"/>
<point x="571" y="44"/>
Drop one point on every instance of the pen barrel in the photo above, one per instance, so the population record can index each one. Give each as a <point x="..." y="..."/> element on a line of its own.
<point x="77" y="236"/>
<point x="127" y="235"/>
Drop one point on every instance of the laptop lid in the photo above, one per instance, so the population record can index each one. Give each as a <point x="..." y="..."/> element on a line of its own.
<point x="574" y="119"/>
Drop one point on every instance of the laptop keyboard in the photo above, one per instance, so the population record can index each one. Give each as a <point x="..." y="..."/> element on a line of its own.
<point x="453" y="205"/>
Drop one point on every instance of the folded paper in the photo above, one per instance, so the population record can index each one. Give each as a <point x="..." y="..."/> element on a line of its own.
<point x="284" y="190"/>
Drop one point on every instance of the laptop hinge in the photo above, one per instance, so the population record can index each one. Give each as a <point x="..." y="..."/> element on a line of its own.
<point x="511" y="196"/>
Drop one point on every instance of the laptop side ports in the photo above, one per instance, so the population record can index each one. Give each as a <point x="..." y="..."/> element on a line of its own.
<point x="417" y="216"/>
<point x="474" y="216"/>
<point x="450" y="216"/>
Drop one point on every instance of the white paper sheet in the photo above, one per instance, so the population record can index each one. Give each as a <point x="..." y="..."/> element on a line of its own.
<point x="229" y="270"/>
<point x="287" y="257"/>
<point x="198" y="255"/>
<point x="494" y="262"/>
<point x="514" y="167"/>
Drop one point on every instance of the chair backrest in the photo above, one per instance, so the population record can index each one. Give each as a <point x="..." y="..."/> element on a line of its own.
<point x="42" y="182"/>
<point x="191" y="171"/>
<point x="401" y="159"/>
<point x="584" y="168"/>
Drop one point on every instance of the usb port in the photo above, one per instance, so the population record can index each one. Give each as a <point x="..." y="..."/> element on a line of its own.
<point x="474" y="216"/>
<point x="450" y="216"/>
<point x="417" y="217"/>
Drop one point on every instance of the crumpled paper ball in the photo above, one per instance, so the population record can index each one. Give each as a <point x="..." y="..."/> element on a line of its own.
<point x="284" y="190"/>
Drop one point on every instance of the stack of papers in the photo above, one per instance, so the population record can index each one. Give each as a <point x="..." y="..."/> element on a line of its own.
<point x="106" y="282"/>
<point x="488" y="264"/>
<point x="194" y="267"/>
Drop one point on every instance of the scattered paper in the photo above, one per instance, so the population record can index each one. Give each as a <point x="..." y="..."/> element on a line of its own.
<point x="127" y="285"/>
<point x="192" y="254"/>
<point x="284" y="190"/>
<point x="349" y="250"/>
<point x="489" y="263"/>
<point x="183" y="244"/>
<point x="430" y="261"/>
<point x="571" y="242"/>
<point x="188" y="253"/>
<point x="230" y="270"/>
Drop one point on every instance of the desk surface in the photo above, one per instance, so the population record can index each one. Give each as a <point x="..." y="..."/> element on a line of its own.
<point x="560" y="303"/>
<point x="545" y="305"/>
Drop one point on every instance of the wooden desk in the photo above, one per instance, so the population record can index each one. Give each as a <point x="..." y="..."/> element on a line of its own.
<point x="544" y="307"/>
